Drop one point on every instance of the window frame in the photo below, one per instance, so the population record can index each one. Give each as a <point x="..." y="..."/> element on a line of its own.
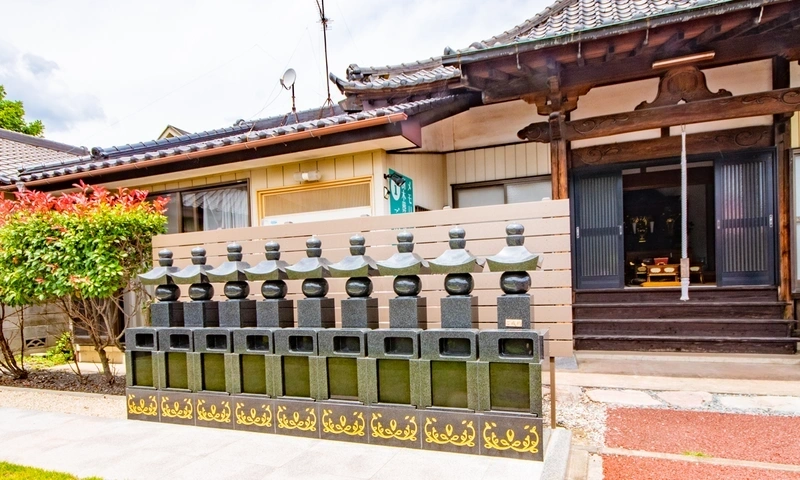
<point x="204" y="188"/>
<point x="262" y="195"/>
<point x="494" y="183"/>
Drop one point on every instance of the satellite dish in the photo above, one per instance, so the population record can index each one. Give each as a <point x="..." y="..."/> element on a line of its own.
<point x="288" y="78"/>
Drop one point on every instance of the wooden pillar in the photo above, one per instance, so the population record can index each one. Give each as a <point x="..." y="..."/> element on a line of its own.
<point x="558" y="156"/>
<point x="780" y="79"/>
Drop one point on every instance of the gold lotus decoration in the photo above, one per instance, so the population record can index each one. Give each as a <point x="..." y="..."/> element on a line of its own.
<point x="466" y="438"/>
<point x="408" y="433"/>
<point x="143" y="408"/>
<point x="264" y="419"/>
<point x="528" y="444"/>
<point x="294" y="422"/>
<point x="213" y="413"/>
<point x="175" y="410"/>
<point x="342" y="427"/>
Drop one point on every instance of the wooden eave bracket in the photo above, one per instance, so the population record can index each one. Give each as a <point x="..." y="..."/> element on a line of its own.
<point x="686" y="84"/>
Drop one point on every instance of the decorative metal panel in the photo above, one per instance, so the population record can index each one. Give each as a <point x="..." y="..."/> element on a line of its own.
<point x="598" y="231"/>
<point x="745" y="222"/>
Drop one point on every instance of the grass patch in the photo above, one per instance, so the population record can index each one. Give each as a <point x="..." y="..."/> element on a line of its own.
<point x="10" y="471"/>
<point x="39" y="362"/>
<point x="690" y="453"/>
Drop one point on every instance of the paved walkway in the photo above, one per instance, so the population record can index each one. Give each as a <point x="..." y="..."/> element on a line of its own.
<point x="688" y="416"/>
<point x="109" y="448"/>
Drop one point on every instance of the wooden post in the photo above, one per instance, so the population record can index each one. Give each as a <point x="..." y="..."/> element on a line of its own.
<point x="780" y="79"/>
<point x="558" y="155"/>
<point x="553" y="422"/>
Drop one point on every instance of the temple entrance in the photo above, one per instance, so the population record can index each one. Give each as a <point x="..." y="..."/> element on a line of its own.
<point x="628" y="223"/>
<point x="651" y="202"/>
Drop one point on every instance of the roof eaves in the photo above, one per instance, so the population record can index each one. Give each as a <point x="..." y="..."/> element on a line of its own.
<point x="41" y="142"/>
<point x="90" y="163"/>
<point x="594" y="33"/>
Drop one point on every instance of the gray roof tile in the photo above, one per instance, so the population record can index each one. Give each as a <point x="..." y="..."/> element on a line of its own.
<point x="155" y="149"/>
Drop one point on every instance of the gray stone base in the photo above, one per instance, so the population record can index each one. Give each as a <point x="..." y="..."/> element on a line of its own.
<point x="203" y="313"/>
<point x="275" y="314"/>
<point x="360" y="313"/>
<point x="514" y="311"/>
<point x="166" y="314"/>
<point x="316" y="313"/>
<point x="237" y="313"/>
<point x="460" y="311"/>
<point x="408" y="312"/>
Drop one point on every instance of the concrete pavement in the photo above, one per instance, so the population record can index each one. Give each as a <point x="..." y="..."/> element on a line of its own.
<point x="122" y="449"/>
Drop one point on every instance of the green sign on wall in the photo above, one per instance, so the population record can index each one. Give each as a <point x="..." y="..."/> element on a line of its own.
<point x="401" y="193"/>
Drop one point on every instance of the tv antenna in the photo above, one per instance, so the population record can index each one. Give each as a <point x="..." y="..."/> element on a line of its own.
<point x="324" y="20"/>
<point x="287" y="82"/>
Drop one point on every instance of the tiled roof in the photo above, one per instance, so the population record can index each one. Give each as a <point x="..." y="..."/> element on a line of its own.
<point x="567" y="17"/>
<point x="382" y="80"/>
<point x="564" y="17"/>
<point x="141" y="153"/>
<point x="18" y="151"/>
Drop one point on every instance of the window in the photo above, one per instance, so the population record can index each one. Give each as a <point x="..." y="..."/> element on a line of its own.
<point x="317" y="201"/>
<point x="515" y="190"/>
<point x="207" y="209"/>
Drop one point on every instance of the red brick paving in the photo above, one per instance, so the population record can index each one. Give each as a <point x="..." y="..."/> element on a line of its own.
<point x="617" y="467"/>
<point x="759" y="438"/>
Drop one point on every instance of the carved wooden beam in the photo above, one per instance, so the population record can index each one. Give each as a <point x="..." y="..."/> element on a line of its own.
<point x="682" y="83"/>
<point x="696" y="143"/>
<point x="751" y="105"/>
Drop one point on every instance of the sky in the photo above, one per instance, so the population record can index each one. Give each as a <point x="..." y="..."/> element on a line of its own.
<point x="103" y="73"/>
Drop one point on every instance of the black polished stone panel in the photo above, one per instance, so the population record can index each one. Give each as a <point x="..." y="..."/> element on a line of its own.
<point x="512" y="436"/>
<point x="177" y="407"/>
<point x="297" y="418"/>
<point x="445" y="431"/>
<point x="253" y="414"/>
<point x="395" y="427"/>
<point x="345" y="422"/>
<point x="214" y="410"/>
<point x="142" y="404"/>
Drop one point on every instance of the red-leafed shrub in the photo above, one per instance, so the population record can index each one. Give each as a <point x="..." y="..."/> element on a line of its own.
<point x="79" y="250"/>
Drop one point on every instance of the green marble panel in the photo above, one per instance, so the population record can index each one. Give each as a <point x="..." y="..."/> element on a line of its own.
<point x="449" y="384"/>
<point x="394" y="381"/>
<point x="296" y="376"/>
<point x="509" y="384"/>
<point x="342" y="378"/>
<point x="253" y="371"/>
<point x="177" y="374"/>
<point x="213" y="372"/>
<point x="142" y="369"/>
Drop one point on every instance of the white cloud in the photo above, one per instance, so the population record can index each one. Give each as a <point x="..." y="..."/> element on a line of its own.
<point x="108" y="73"/>
<point x="35" y="81"/>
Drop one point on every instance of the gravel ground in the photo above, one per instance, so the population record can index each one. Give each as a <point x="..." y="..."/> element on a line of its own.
<point x="617" y="467"/>
<point x="94" y="405"/>
<point x="575" y="411"/>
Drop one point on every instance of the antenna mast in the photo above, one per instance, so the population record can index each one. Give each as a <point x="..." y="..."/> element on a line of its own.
<point x="324" y="21"/>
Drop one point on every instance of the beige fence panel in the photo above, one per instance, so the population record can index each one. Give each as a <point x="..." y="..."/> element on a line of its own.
<point x="547" y="227"/>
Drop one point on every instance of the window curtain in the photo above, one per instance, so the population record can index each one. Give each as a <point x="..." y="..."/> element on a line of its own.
<point x="223" y="208"/>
